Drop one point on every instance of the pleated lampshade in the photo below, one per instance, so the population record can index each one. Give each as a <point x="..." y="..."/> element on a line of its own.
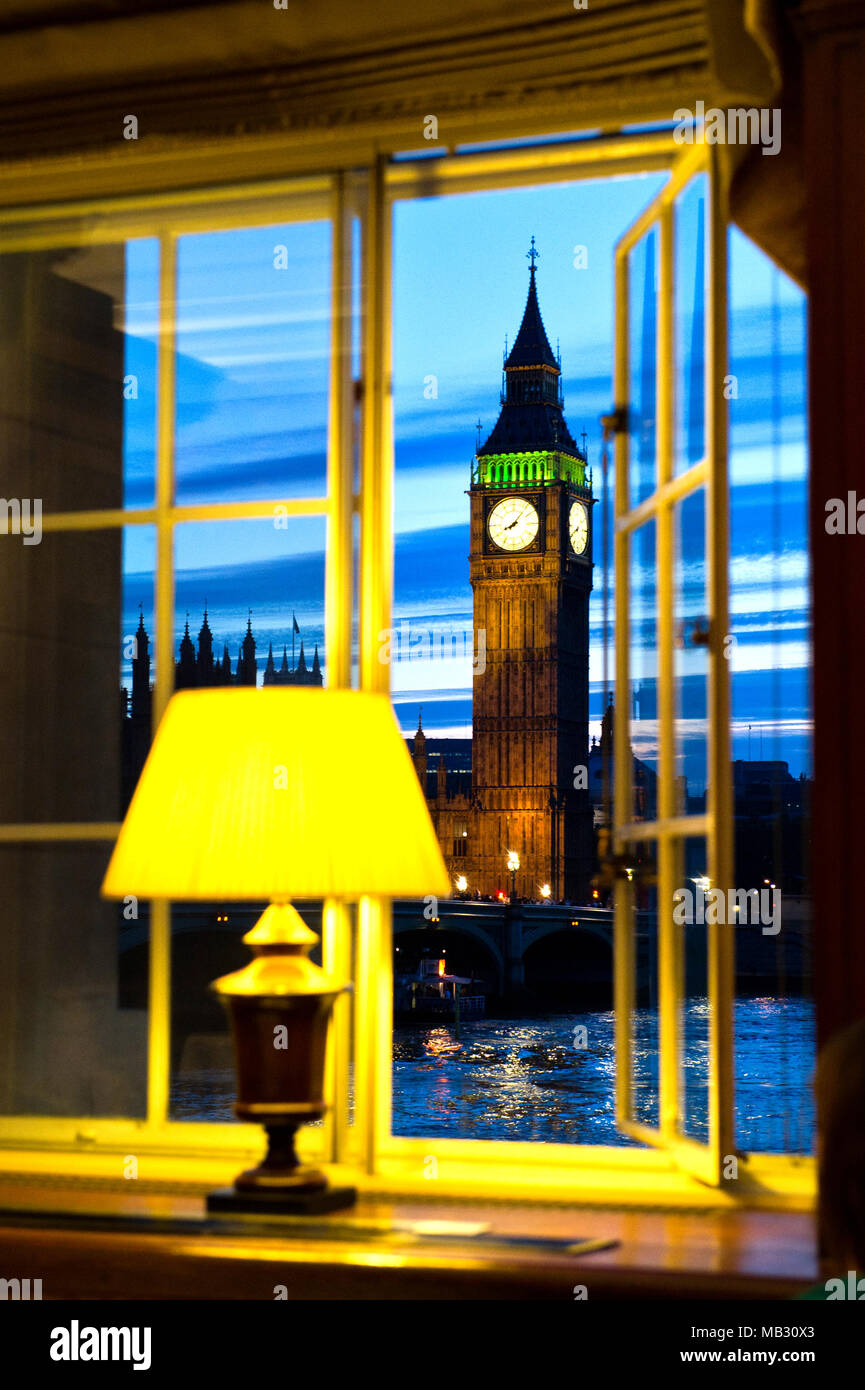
<point x="278" y="793"/>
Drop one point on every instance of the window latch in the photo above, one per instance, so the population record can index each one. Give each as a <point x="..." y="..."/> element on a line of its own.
<point x="629" y="868"/>
<point x="694" y="632"/>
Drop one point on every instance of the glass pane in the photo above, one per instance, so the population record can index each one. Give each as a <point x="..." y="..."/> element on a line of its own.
<point x="691" y="654"/>
<point x="770" y="660"/>
<point x="72" y="693"/>
<point x="645" y="1017"/>
<point x="253" y="342"/>
<point x="250" y="611"/>
<point x="72" y="1040"/>
<point x="691" y="908"/>
<point x="643" y="674"/>
<point x="689" y="230"/>
<point x="138" y="656"/>
<point x="494" y="651"/>
<point x="78" y="376"/>
<point x="643" y="366"/>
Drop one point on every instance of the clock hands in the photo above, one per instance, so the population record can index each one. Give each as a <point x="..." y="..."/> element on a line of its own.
<point x="519" y="516"/>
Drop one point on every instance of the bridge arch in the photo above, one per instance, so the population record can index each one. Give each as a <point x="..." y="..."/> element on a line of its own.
<point x="597" y="929"/>
<point x="569" y="967"/>
<point x="457" y="926"/>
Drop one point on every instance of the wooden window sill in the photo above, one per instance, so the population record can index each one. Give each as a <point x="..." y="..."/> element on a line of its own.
<point x="104" y="1241"/>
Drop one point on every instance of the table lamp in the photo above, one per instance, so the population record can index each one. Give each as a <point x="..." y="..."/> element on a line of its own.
<point x="251" y="795"/>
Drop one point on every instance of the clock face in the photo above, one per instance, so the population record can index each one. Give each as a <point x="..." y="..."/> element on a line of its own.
<point x="578" y="527"/>
<point x="513" y="523"/>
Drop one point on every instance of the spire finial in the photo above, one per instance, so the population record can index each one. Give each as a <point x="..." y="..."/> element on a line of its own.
<point x="532" y="255"/>
<point x="419" y="719"/>
<point x="479" y="428"/>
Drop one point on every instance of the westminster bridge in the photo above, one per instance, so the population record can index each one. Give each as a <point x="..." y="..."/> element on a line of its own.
<point x="521" y="954"/>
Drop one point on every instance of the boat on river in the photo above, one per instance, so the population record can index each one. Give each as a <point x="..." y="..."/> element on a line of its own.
<point x="431" y="993"/>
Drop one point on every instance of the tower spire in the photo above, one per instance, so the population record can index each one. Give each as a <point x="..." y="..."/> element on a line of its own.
<point x="531" y="425"/>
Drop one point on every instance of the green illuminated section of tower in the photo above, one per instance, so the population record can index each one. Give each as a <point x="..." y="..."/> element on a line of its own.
<point x="529" y="468"/>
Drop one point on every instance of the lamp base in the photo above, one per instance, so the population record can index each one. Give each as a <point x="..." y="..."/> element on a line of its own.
<point x="228" y="1201"/>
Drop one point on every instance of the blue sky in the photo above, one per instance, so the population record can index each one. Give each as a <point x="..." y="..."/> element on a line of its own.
<point x="252" y="413"/>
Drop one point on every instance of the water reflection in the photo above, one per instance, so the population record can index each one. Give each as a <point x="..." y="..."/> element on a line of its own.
<point x="523" y="1079"/>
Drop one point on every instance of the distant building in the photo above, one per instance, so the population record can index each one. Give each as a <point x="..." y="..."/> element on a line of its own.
<point x="195" y="670"/>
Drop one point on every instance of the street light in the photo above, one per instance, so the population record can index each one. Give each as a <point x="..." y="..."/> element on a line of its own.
<point x="513" y="865"/>
<point x="545" y="890"/>
<point x="462" y="883"/>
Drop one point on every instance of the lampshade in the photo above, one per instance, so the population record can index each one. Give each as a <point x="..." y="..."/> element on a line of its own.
<point x="278" y="793"/>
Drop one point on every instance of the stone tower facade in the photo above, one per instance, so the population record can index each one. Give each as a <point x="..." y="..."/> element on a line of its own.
<point x="531" y="576"/>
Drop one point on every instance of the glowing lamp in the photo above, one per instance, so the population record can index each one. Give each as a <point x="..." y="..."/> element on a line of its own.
<point x="251" y="795"/>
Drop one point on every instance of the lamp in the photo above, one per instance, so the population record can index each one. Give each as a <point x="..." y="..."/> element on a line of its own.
<point x="278" y="794"/>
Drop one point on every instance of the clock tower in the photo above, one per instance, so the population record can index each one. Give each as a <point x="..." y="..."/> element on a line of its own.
<point x="531" y="575"/>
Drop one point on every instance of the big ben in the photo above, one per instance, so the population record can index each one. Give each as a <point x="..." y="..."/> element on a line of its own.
<point x="531" y="575"/>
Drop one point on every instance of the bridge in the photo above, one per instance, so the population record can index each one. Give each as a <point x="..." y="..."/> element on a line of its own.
<point x="503" y="939"/>
<point x="522" y="953"/>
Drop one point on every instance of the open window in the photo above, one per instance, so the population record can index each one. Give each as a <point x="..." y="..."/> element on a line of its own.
<point x="671" y="554"/>
<point x="672" y="660"/>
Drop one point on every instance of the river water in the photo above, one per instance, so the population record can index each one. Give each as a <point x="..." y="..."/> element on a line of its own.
<point x="539" y="1079"/>
<point x="524" y="1079"/>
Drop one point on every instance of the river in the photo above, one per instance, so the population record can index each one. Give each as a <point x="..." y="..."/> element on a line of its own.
<point x="525" y="1079"/>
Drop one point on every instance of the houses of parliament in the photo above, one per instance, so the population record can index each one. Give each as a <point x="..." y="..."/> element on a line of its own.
<point x="196" y="669"/>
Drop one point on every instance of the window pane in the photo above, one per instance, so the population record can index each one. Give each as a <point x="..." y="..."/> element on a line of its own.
<point x="691" y="653"/>
<point x="72" y="1041"/>
<point x="643" y="673"/>
<point x="72" y="692"/>
<point x="689" y="382"/>
<point x="250" y="611"/>
<point x="495" y="650"/>
<point x="770" y="658"/>
<point x="645" y="1060"/>
<point x="78" y="375"/>
<point x="643" y="366"/>
<point x="253" y="340"/>
<point x="691" y="885"/>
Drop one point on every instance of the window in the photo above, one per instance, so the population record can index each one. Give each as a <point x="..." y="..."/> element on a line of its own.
<point x="461" y="840"/>
<point x="145" y="503"/>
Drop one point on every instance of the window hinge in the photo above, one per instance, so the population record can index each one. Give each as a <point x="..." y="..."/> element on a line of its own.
<point x="616" y="423"/>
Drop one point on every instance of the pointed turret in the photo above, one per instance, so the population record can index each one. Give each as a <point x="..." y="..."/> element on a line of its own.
<point x="269" y="677"/>
<point x="300" y="670"/>
<point x="418" y="752"/>
<point x="316" y="668"/>
<point x="140" y="706"/>
<point x="205" y="653"/>
<point x="532" y="346"/>
<point x="247" y="666"/>
<point x="530" y="441"/>
<point x="185" y="671"/>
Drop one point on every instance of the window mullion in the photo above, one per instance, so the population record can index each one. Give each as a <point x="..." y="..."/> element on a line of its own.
<point x="159" y="989"/>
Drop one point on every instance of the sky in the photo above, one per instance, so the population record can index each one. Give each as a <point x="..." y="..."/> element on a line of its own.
<point x="253" y="334"/>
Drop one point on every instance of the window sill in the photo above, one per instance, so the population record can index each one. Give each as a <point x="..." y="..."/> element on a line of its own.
<point x="107" y="1240"/>
<point x="442" y="1169"/>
